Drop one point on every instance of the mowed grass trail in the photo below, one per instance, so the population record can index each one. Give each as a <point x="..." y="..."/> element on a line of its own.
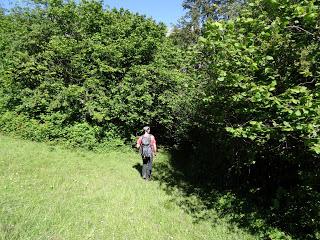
<point x="48" y="192"/>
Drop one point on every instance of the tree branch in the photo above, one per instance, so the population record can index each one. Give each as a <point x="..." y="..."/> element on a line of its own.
<point x="300" y="29"/>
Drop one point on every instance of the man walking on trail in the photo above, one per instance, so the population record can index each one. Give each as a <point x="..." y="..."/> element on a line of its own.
<point x="148" y="148"/>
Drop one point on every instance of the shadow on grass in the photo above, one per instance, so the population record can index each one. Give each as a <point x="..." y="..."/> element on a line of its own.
<point x="138" y="167"/>
<point x="280" y="214"/>
<point x="205" y="202"/>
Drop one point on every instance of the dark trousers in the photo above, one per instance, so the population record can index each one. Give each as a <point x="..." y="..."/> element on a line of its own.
<point x="147" y="167"/>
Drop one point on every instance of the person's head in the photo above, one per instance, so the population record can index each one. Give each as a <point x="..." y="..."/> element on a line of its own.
<point x="146" y="129"/>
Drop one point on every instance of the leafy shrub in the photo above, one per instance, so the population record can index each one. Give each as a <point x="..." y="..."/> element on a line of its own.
<point x="82" y="135"/>
<point x="68" y="66"/>
<point x="255" y="118"/>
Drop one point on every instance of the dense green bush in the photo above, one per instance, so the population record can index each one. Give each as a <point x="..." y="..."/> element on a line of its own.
<point x="68" y="66"/>
<point x="256" y="116"/>
<point x="262" y="71"/>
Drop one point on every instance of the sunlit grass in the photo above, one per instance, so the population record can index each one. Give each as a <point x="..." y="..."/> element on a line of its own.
<point x="48" y="192"/>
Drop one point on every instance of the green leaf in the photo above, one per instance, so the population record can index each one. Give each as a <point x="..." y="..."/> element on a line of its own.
<point x="297" y="113"/>
<point x="269" y="58"/>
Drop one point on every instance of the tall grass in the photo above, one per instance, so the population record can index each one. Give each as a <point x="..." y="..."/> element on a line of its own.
<point x="47" y="192"/>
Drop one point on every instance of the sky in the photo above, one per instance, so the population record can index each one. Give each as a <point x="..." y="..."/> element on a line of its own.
<point x="167" y="11"/>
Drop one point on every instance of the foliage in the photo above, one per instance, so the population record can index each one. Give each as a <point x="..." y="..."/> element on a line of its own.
<point x="190" y="26"/>
<point x="256" y="117"/>
<point x="242" y="100"/>
<point x="73" y="65"/>
<point x="263" y="99"/>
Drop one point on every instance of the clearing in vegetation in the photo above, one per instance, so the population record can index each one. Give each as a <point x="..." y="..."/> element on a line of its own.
<point x="47" y="192"/>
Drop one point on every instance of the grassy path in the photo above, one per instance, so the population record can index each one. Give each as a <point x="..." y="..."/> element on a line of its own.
<point x="50" y="193"/>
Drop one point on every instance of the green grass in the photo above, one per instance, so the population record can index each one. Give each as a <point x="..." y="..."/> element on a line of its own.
<point x="47" y="192"/>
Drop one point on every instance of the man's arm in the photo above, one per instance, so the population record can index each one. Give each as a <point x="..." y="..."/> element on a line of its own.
<point x="154" y="145"/>
<point x="155" y="148"/>
<point x="138" y="143"/>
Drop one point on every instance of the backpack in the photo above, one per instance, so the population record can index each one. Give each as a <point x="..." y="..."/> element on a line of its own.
<point x="145" y="147"/>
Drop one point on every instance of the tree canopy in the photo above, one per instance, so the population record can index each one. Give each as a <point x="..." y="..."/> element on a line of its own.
<point x="70" y="66"/>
